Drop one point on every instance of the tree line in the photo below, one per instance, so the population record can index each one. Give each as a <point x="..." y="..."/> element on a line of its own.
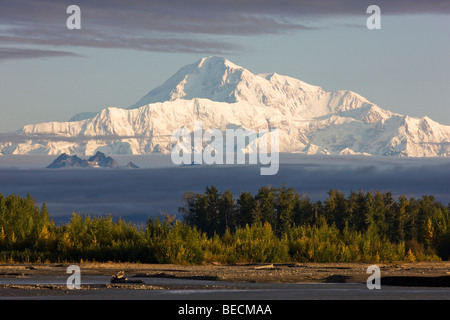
<point x="421" y="223"/>
<point x="425" y="220"/>
<point x="273" y="225"/>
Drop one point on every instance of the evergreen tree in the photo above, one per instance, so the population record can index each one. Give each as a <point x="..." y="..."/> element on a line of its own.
<point x="227" y="213"/>
<point x="303" y="211"/>
<point x="285" y="203"/>
<point x="245" y="207"/>
<point x="335" y="209"/>
<point x="266" y="201"/>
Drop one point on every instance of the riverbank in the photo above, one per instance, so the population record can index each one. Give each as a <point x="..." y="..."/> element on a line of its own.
<point x="427" y="274"/>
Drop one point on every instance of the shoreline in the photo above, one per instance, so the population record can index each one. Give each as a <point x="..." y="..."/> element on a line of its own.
<point x="418" y="274"/>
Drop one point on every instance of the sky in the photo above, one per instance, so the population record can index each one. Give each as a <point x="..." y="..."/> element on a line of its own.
<point x="125" y="49"/>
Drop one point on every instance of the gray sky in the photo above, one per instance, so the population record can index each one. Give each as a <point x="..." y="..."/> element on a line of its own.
<point x="125" y="49"/>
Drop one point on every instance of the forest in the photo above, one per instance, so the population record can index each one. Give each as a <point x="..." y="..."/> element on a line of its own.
<point x="273" y="225"/>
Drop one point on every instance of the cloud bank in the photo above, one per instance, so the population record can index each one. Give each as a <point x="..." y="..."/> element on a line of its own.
<point x="136" y="194"/>
<point x="178" y="25"/>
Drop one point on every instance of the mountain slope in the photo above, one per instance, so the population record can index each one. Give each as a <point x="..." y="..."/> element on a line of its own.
<point x="220" y="80"/>
<point x="223" y="95"/>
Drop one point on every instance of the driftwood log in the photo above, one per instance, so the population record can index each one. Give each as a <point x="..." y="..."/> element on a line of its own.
<point x="119" y="277"/>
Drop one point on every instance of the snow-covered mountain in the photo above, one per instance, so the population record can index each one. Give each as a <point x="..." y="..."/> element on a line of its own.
<point x="217" y="79"/>
<point x="223" y="95"/>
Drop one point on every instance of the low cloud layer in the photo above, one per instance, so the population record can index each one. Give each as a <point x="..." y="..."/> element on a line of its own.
<point x="142" y="193"/>
<point x="16" y="137"/>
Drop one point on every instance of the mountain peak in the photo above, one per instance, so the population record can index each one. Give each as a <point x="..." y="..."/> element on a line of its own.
<point x="218" y="79"/>
<point x="214" y="78"/>
<point x="99" y="160"/>
<point x="66" y="161"/>
<point x="216" y="61"/>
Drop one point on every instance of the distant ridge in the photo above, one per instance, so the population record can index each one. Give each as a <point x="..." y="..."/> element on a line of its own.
<point x="99" y="160"/>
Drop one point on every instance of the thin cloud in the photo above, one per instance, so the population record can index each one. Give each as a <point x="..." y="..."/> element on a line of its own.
<point x="21" y="53"/>
<point x="106" y="41"/>
<point x="17" y="137"/>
